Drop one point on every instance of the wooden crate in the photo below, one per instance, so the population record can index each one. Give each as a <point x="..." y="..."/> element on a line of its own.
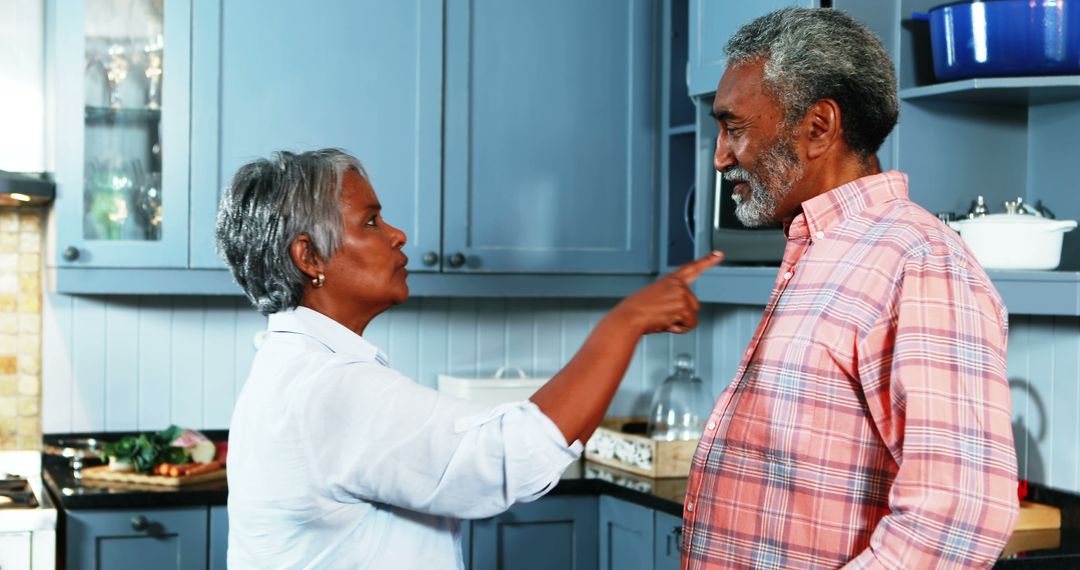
<point x="639" y="453"/>
<point x="1036" y="516"/>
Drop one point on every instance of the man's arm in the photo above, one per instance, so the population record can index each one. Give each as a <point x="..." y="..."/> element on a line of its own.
<point x="934" y="374"/>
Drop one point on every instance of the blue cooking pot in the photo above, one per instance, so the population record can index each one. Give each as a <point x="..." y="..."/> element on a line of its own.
<point x="995" y="38"/>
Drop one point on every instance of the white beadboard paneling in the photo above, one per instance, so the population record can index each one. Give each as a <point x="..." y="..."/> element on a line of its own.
<point x="186" y="386"/>
<point x="218" y="361"/>
<point x="57" y="334"/>
<point x="89" y="409"/>
<point x="145" y="362"/>
<point x="121" y="363"/>
<point x="155" y="362"/>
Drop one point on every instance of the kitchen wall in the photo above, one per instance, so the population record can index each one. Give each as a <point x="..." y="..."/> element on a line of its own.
<point x="140" y="363"/>
<point x="20" y="327"/>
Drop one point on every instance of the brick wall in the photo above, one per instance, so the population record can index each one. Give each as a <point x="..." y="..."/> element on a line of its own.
<point x="20" y="327"/>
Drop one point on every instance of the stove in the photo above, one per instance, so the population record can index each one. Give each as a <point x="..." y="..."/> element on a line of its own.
<point x="27" y="516"/>
<point x="15" y="492"/>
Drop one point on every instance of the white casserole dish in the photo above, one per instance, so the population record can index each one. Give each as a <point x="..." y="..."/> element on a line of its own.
<point x="1014" y="241"/>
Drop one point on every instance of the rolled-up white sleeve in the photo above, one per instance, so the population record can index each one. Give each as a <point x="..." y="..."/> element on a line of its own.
<point x="378" y="436"/>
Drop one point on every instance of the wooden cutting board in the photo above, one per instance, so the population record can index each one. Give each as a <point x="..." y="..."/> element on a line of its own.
<point x="102" y="473"/>
<point x="1034" y="516"/>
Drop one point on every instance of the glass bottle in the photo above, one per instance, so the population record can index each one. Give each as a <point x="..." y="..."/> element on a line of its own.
<point x="680" y="405"/>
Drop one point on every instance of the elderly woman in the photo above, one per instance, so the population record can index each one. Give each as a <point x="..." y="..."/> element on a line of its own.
<point x="337" y="460"/>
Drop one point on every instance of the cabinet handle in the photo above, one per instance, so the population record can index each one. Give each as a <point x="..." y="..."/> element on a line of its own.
<point x="139" y="523"/>
<point x="430" y="258"/>
<point x="70" y="253"/>
<point x="676" y="534"/>
<point x="457" y="260"/>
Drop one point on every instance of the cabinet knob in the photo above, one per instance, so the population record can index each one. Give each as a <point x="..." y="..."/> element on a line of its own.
<point x="139" y="523"/>
<point x="430" y="258"/>
<point x="457" y="260"/>
<point x="70" y="253"/>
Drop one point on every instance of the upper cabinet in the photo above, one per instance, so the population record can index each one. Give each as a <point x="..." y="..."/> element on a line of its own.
<point x="361" y="75"/>
<point x="504" y="137"/>
<point x="712" y="22"/>
<point x="121" y="109"/>
<point x="550" y="136"/>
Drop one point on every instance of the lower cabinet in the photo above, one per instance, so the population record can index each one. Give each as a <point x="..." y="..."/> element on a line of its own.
<point x="626" y="535"/>
<point x="667" y="541"/>
<point x="219" y="537"/>
<point x="144" y="538"/>
<point x="554" y="532"/>
<point x="574" y="532"/>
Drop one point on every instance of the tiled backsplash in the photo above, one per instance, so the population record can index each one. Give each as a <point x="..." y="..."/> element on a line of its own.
<point x="20" y="327"/>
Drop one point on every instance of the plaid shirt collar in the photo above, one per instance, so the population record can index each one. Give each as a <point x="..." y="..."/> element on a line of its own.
<point x="825" y="211"/>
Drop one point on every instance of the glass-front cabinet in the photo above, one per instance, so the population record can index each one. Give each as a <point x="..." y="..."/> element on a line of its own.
<point x="120" y="83"/>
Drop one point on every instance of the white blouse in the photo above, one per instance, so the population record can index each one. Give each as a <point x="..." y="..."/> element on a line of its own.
<point x="337" y="460"/>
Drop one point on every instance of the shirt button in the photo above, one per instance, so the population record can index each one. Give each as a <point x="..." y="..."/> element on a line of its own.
<point x="819" y="235"/>
<point x="711" y="426"/>
<point x="787" y="276"/>
<point x="690" y="507"/>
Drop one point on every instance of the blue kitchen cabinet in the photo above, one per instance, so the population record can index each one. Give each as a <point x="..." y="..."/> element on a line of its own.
<point x="667" y="541"/>
<point x="550" y="133"/>
<point x="361" y="75"/>
<point x="626" y="535"/>
<point x="712" y="22"/>
<point x="135" y="539"/>
<point x="219" y="537"/>
<point x="553" y="532"/>
<point x="120" y="109"/>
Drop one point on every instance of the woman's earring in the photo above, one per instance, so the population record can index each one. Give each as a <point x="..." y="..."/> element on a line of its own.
<point x="318" y="280"/>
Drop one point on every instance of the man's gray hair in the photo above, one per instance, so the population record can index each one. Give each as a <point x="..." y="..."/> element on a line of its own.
<point x="817" y="53"/>
<point x="268" y="204"/>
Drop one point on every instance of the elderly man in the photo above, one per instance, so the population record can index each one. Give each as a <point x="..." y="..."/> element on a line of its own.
<point x="868" y="424"/>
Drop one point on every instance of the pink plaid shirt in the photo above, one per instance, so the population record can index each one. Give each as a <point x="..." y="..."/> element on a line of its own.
<point x="869" y="421"/>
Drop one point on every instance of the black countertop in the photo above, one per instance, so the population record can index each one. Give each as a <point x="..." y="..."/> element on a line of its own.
<point x="1048" y="549"/>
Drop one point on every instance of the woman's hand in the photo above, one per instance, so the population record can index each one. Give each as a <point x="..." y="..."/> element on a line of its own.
<point x="668" y="304"/>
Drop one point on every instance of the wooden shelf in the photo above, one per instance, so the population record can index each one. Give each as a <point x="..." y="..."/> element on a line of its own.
<point x="1012" y="91"/>
<point x="1024" y="292"/>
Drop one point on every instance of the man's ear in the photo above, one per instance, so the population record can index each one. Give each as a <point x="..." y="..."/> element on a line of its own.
<point x="823" y="127"/>
<point x="303" y="254"/>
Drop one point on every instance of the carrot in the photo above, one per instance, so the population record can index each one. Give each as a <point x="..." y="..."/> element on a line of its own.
<point x="199" y="469"/>
<point x="180" y="469"/>
<point x="161" y="469"/>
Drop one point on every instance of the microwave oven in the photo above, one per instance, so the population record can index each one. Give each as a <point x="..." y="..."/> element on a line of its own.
<point x="742" y="245"/>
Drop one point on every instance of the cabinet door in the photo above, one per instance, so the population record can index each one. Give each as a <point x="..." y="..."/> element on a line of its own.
<point x="121" y="108"/>
<point x="361" y="75"/>
<point x="151" y="538"/>
<point x="712" y="22"/>
<point x="219" y="537"/>
<point x="14" y="550"/>
<point x="667" y="541"/>
<point x="550" y="129"/>
<point x="626" y="535"/>
<point x="554" y="532"/>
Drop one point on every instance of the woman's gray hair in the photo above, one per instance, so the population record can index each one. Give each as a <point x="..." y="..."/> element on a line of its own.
<point x="817" y="53"/>
<point x="268" y="204"/>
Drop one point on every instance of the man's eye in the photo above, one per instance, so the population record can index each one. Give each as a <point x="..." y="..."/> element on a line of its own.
<point x="374" y="221"/>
